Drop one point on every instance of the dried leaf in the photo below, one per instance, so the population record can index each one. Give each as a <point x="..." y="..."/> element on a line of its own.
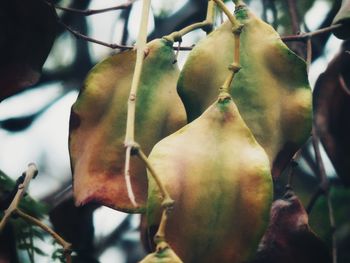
<point x="289" y="238"/>
<point x="332" y="110"/>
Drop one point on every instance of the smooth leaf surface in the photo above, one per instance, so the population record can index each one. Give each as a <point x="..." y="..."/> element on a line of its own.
<point x="98" y="123"/>
<point x="271" y="90"/>
<point x="219" y="177"/>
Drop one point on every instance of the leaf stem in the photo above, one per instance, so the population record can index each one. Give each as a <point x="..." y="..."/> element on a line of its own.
<point x="30" y="173"/>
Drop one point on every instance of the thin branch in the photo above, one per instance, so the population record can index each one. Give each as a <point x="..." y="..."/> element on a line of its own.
<point x="88" y="12"/>
<point x="305" y="36"/>
<point x="127" y="177"/>
<point x="206" y="25"/>
<point x="293" y="11"/>
<point x="167" y="201"/>
<point x="333" y="227"/>
<point x="308" y="54"/>
<point x="237" y="30"/>
<point x="324" y="185"/>
<point x="141" y="49"/>
<point x="66" y="246"/>
<point x="30" y="173"/>
<point x="78" y="35"/>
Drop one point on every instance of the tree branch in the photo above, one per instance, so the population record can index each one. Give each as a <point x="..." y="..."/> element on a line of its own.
<point x="88" y="12"/>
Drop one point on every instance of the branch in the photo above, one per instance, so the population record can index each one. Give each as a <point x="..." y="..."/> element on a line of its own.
<point x="292" y="8"/>
<point x="88" y="12"/>
<point x="325" y="187"/>
<point x="131" y="110"/>
<point x="66" y="246"/>
<point x="206" y="25"/>
<point x="305" y="36"/>
<point x="78" y="35"/>
<point x="30" y="173"/>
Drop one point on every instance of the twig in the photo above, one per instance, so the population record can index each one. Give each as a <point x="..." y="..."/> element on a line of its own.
<point x="167" y="201"/>
<point x="30" y="173"/>
<point x="237" y="29"/>
<point x="308" y="54"/>
<point x="66" y="246"/>
<point x="131" y="111"/>
<point x="333" y="228"/>
<point x="325" y="187"/>
<point x="305" y="36"/>
<point x="292" y="8"/>
<point x="88" y="12"/>
<point x="127" y="177"/>
<point x="126" y="15"/>
<point x="78" y="35"/>
<point x="206" y="25"/>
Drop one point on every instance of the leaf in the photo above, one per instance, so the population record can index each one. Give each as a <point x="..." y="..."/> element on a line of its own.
<point x="331" y="112"/>
<point x="343" y="18"/>
<point x="28" y="29"/>
<point x="98" y="123"/>
<point x="289" y="238"/>
<point x="271" y="90"/>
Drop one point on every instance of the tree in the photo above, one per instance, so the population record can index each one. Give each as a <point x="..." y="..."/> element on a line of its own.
<point x="31" y="28"/>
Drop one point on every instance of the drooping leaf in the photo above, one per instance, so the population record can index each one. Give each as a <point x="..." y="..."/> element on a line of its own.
<point x="331" y="112"/>
<point x="289" y="238"/>
<point x="98" y="121"/>
<point x="220" y="180"/>
<point x="28" y="29"/>
<point x="271" y="90"/>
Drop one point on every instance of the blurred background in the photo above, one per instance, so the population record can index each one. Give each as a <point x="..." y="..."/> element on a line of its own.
<point x="34" y="123"/>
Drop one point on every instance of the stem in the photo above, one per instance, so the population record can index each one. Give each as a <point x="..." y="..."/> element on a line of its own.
<point x="237" y="30"/>
<point x="31" y="172"/>
<point x="127" y="177"/>
<point x="333" y="227"/>
<point x="89" y="12"/>
<point x="206" y="25"/>
<point x="160" y="235"/>
<point x="140" y="54"/>
<point x="324" y="185"/>
<point x="167" y="201"/>
<point x="305" y="36"/>
<point x="130" y="122"/>
<point x="308" y="54"/>
<point x="292" y="8"/>
<point x="66" y="246"/>
<point x="227" y="12"/>
<point x="92" y="40"/>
